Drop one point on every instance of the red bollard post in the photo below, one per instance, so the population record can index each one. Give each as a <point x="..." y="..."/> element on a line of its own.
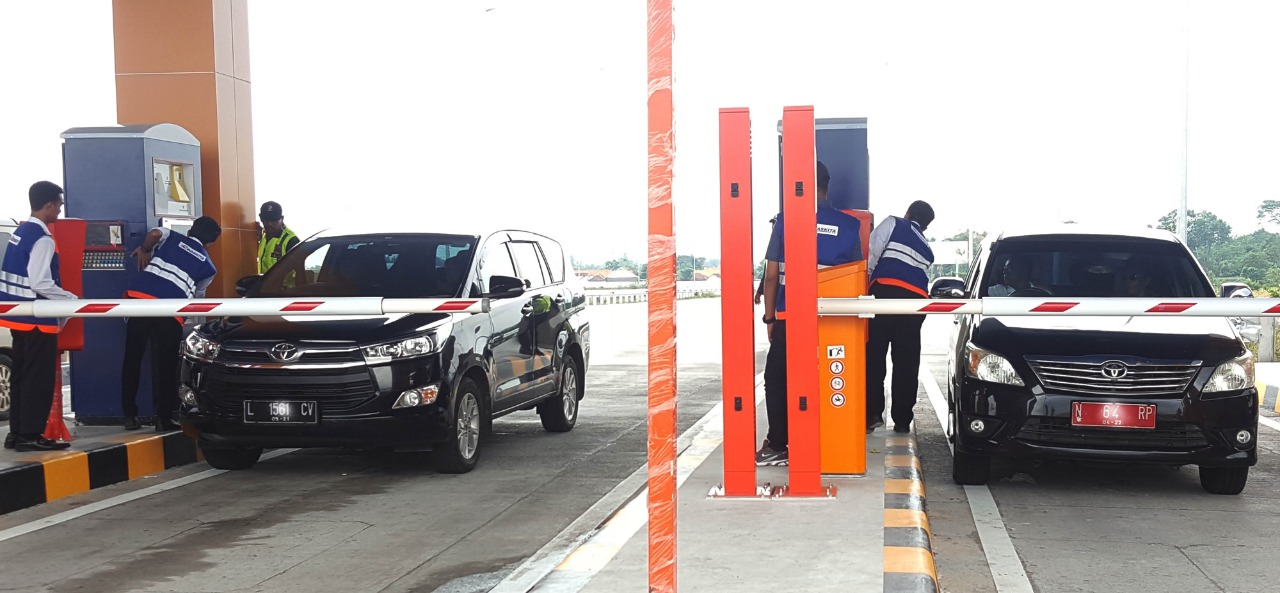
<point x="737" y="312"/>
<point x="56" y="427"/>
<point x="799" y="206"/>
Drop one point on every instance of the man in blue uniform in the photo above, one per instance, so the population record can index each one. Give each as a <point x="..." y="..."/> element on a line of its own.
<point x="839" y="242"/>
<point x="172" y="266"/>
<point x="898" y="262"/>
<point x="30" y="272"/>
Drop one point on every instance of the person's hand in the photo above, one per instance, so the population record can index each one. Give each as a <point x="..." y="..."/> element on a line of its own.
<point x="759" y="297"/>
<point x="143" y="256"/>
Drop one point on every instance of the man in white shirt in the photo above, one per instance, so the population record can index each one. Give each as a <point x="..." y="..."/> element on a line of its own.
<point x="1016" y="275"/>
<point x="29" y="272"/>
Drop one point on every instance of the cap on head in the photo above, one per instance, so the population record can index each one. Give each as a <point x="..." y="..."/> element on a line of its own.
<point x="270" y="212"/>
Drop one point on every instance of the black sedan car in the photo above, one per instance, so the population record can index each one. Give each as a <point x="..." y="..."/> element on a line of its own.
<point x="1135" y="389"/>
<point x="421" y="381"/>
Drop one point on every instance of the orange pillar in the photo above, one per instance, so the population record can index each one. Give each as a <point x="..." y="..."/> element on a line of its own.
<point x="187" y="63"/>
<point x="799" y="207"/>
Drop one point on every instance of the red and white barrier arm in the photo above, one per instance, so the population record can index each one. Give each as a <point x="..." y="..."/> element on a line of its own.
<point x="240" y="307"/>
<point x="1023" y="306"/>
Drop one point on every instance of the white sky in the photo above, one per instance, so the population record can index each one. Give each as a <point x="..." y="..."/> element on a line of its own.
<point x="533" y="113"/>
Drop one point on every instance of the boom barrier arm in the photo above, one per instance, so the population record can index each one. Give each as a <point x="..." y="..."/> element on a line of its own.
<point x="1020" y="306"/>
<point x="238" y="307"/>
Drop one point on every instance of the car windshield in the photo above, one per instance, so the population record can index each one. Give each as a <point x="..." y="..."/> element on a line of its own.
<point x="1092" y="267"/>
<point x="394" y="266"/>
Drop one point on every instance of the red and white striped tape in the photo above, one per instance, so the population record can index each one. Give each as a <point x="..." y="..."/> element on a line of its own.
<point x="1008" y="306"/>
<point x="239" y="307"/>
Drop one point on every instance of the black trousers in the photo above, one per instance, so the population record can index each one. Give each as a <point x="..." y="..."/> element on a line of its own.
<point x="901" y="334"/>
<point x="164" y="335"/>
<point x="35" y="368"/>
<point x="775" y="387"/>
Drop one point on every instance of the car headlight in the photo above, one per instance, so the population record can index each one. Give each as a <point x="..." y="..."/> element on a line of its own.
<point x="989" y="366"/>
<point x="1233" y="375"/>
<point x="198" y="346"/>
<point x="400" y="349"/>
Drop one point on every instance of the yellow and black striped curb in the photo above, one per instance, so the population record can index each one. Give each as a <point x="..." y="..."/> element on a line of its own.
<point x="37" y="478"/>
<point x="908" y="543"/>
<point x="1267" y="396"/>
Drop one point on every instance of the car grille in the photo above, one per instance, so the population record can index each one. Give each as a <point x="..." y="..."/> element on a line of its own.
<point x="1139" y="378"/>
<point x="337" y="392"/>
<point x="1166" y="436"/>
<point x="310" y="353"/>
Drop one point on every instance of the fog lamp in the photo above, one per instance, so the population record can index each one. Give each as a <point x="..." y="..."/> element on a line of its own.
<point x="187" y="395"/>
<point x="417" y="396"/>
<point x="1244" y="437"/>
<point x="977" y="426"/>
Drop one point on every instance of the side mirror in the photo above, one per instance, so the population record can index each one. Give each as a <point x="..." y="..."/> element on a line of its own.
<point x="505" y="287"/>
<point x="244" y="285"/>
<point x="947" y="287"/>
<point x="1236" y="290"/>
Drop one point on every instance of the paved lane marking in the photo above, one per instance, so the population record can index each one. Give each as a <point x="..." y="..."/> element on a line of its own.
<point x="101" y="505"/>
<point x="569" y="561"/>
<point x="1269" y="423"/>
<point x="1002" y="557"/>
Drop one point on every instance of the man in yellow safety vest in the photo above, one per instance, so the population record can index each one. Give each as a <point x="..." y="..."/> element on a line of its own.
<point x="277" y="239"/>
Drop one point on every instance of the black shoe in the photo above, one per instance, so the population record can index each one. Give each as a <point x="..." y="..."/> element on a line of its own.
<point x="39" y="444"/>
<point x="132" y="423"/>
<point x="874" y="423"/>
<point x="9" y="440"/>
<point x="902" y="428"/>
<point x="166" y="425"/>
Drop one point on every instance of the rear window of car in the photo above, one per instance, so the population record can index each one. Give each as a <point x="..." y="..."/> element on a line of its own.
<point x="1092" y="267"/>
<point x="398" y="266"/>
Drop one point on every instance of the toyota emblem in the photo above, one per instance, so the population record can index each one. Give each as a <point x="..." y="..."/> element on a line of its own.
<point x="285" y="352"/>
<point x="1114" y="369"/>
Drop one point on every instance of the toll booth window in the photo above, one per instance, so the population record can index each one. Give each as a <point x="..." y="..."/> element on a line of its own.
<point x="408" y="266"/>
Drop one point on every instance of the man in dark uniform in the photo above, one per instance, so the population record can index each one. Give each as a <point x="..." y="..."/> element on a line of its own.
<point x="839" y="242"/>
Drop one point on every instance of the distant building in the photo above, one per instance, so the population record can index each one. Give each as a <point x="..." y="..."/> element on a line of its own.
<point x="622" y="276"/>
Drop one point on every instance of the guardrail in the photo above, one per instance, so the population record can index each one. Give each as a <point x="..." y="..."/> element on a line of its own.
<point x="640" y="296"/>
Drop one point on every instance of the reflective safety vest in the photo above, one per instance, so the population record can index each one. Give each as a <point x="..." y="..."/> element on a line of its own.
<point x="15" y="285"/>
<point x="178" y="265"/>
<point x="906" y="258"/>
<point x="839" y="242"/>
<point x="270" y="250"/>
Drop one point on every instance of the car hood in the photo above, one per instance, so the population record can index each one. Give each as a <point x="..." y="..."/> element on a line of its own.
<point x="1208" y="339"/>
<point x="360" y="329"/>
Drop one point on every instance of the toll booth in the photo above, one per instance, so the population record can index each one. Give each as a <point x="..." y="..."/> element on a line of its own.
<point x="122" y="181"/>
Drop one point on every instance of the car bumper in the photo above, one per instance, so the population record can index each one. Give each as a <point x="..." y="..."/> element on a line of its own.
<point x="408" y="429"/>
<point x="1025" y="423"/>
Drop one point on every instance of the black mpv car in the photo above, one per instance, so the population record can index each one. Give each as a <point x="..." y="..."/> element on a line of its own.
<point x="1145" y="389"/>
<point x="392" y="381"/>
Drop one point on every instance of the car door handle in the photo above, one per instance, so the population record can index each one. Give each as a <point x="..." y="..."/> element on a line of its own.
<point x="527" y="309"/>
<point x="559" y="299"/>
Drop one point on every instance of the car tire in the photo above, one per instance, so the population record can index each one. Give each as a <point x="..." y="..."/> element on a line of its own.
<point x="6" y="390"/>
<point x="1223" y="480"/>
<point x="232" y="459"/>
<point x="970" y="469"/>
<point x="459" y="454"/>
<point x="559" y="413"/>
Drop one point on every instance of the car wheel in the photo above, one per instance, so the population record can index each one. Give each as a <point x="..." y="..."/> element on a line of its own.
<point x="6" y="376"/>
<point x="970" y="469"/>
<point x="232" y="458"/>
<point x="1223" y="480"/>
<point x="560" y="412"/>
<point x="459" y="454"/>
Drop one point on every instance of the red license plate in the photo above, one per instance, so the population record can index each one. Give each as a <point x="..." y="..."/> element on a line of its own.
<point x="1113" y="415"/>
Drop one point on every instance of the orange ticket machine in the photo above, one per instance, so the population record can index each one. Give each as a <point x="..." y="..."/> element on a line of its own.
<point x="842" y="379"/>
